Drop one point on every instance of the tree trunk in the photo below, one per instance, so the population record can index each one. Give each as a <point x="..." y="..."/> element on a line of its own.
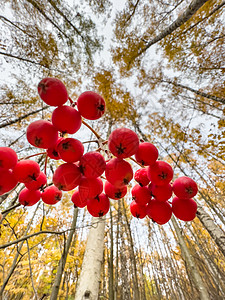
<point x="88" y="282"/>
<point x="184" y="17"/>
<point x="11" y="122"/>
<point x="217" y="278"/>
<point x="191" y="266"/>
<point x="152" y="270"/>
<point x="215" y="231"/>
<point x="173" y="265"/>
<point x="132" y="255"/>
<point x="111" y="272"/>
<point x="117" y="253"/>
<point x="62" y="262"/>
<point x="199" y="93"/>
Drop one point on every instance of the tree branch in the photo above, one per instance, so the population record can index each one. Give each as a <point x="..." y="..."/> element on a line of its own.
<point x="35" y="5"/>
<point x="133" y="12"/>
<point x="29" y="61"/>
<point x="205" y="18"/>
<point x="205" y="95"/>
<point x="15" y="261"/>
<point x="184" y="17"/>
<point x="22" y="117"/>
<point x="32" y="235"/>
<point x="10" y="208"/>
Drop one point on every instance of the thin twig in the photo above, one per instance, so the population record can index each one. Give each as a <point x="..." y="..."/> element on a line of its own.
<point x="89" y="127"/>
<point x="31" y="274"/>
<point x="31" y="235"/>
<point x="10" y="208"/>
<point x="46" y="161"/>
<point x="43" y="217"/>
<point x="46" y="232"/>
<point x="131" y="158"/>
<point x="36" y="154"/>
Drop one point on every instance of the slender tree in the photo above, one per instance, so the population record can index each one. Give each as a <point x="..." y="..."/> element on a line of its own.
<point x="89" y="279"/>
<point x="197" y="280"/>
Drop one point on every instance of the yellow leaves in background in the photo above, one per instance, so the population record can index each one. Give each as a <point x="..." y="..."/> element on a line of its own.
<point x="119" y="102"/>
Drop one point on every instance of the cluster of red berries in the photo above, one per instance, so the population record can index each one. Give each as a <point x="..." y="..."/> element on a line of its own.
<point x="85" y="171"/>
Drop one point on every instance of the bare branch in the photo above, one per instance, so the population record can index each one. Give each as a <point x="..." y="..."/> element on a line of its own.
<point x="26" y="237"/>
<point x="10" y="208"/>
<point x="35" y="4"/>
<point x="15" y="261"/>
<point x="133" y="12"/>
<point x="22" y="117"/>
<point x="205" y="95"/>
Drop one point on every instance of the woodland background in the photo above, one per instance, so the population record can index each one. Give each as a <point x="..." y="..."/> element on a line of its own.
<point x="160" y="66"/>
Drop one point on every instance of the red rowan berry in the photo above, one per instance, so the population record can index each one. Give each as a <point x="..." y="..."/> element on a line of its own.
<point x="52" y="91"/>
<point x="123" y="142"/>
<point x="91" y="105"/>
<point x="184" y="209"/>
<point x="98" y="206"/>
<point x="160" y="212"/>
<point x="118" y="172"/>
<point x="51" y="195"/>
<point x="185" y="187"/>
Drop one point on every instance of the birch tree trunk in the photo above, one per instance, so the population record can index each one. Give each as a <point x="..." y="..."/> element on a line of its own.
<point x="214" y="230"/>
<point x="132" y="255"/>
<point x="184" y="17"/>
<point x="111" y="267"/>
<point x="191" y="266"/>
<point x="89" y="279"/>
<point x="199" y="93"/>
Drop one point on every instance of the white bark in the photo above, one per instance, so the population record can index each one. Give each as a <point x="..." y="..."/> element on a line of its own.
<point x="190" y="263"/>
<point x="214" y="230"/>
<point x="184" y="17"/>
<point x="89" y="279"/>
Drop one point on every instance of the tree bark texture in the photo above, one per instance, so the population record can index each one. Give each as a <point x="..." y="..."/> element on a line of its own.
<point x="190" y="263"/>
<point x="214" y="230"/>
<point x="199" y="93"/>
<point x="184" y="17"/>
<point x="111" y="267"/>
<point x="89" y="279"/>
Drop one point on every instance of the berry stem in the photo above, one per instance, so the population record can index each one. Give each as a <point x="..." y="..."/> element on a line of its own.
<point x="131" y="158"/>
<point x="46" y="161"/>
<point x="41" y="153"/>
<point x="87" y="142"/>
<point x="71" y="101"/>
<point x="88" y="126"/>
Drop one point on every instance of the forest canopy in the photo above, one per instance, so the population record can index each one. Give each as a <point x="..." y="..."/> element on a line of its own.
<point x="160" y="68"/>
